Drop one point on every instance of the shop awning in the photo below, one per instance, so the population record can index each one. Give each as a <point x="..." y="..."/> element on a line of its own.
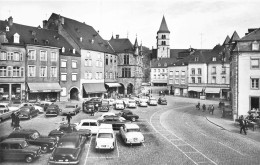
<point x="94" y="87"/>
<point x="195" y="89"/>
<point x="212" y="90"/>
<point x="44" y="87"/>
<point x="111" y="85"/>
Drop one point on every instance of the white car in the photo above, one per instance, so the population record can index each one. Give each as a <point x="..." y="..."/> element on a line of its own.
<point x="105" y="139"/>
<point x="5" y="111"/>
<point x="111" y="101"/>
<point x="143" y="103"/>
<point x="119" y="104"/>
<point x="90" y="124"/>
<point x="131" y="104"/>
<point x="40" y="109"/>
<point x="131" y="134"/>
<point x="108" y="114"/>
<point x="152" y="101"/>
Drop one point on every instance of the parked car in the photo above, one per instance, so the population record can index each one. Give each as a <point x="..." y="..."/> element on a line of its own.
<point x="65" y="128"/>
<point x="43" y="104"/>
<point x="126" y="101"/>
<point x="33" y="137"/>
<point x="94" y="101"/>
<point x="109" y="114"/>
<point x="73" y="109"/>
<point x="143" y="103"/>
<point x="90" y="124"/>
<point x="88" y="107"/>
<point x="152" y="101"/>
<point x="129" y="115"/>
<point x="119" y="105"/>
<point x="18" y="149"/>
<point x="27" y="112"/>
<point x="116" y="121"/>
<point x="105" y="139"/>
<point x="5" y="111"/>
<point x="104" y="106"/>
<point x="162" y="101"/>
<point x="68" y="150"/>
<point x="52" y="110"/>
<point x="131" y="134"/>
<point x="39" y="108"/>
<point x="132" y="103"/>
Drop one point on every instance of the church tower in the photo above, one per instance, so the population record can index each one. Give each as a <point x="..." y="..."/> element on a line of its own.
<point x="163" y="41"/>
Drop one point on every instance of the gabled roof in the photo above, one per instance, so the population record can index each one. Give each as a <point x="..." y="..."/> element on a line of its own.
<point x="91" y="40"/>
<point x="234" y="37"/>
<point x="35" y="36"/>
<point x="252" y="36"/>
<point x="226" y="40"/>
<point x="121" y="45"/>
<point x="163" y="28"/>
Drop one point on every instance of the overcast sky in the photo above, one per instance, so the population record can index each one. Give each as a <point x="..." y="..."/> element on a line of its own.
<point x="195" y="23"/>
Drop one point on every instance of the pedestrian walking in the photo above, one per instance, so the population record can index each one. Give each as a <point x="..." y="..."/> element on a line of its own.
<point x="17" y="122"/>
<point x="198" y="106"/>
<point x="69" y="117"/>
<point x="13" y="119"/>
<point x="212" y="109"/>
<point x="203" y="107"/>
<point x="242" y="124"/>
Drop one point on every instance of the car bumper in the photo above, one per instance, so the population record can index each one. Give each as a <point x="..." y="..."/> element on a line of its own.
<point x="63" y="162"/>
<point x="51" y="115"/>
<point x="105" y="147"/>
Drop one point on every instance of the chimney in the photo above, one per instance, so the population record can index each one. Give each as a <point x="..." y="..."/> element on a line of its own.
<point x="10" y="21"/>
<point x="44" y="24"/>
<point x="117" y="36"/>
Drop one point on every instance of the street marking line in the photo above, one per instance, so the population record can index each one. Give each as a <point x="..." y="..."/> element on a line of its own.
<point x="85" y="162"/>
<point x="117" y="150"/>
<point x="231" y="148"/>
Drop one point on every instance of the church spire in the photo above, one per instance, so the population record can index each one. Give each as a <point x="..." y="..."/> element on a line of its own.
<point x="163" y="27"/>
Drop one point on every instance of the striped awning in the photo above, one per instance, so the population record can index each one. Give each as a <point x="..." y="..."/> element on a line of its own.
<point x="94" y="87"/>
<point x="44" y="87"/>
<point x="195" y="89"/>
<point x="111" y="85"/>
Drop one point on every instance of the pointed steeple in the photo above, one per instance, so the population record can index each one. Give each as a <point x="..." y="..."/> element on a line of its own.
<point x="163" y="27"/>
<point x="234" y="37"/>
<point x="136" y="43"/>
<point x="112" y="37"/>
<point x="226" y="40"/>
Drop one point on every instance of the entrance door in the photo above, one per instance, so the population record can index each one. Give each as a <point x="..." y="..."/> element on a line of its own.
<point x="130" y="88"/>
<point x="255" y="102"/>
<point x="74" y="94"/>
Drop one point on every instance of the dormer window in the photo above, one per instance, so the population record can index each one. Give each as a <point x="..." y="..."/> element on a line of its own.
<point x="92" y="41"/>
<point x="62" y="49"/>
<point x="196" y="59"/>
<point x="81" y="39"/>
<point x="214" y="59"/>
<point x="16" y="38"/>
<point x="255" y="45"/>
<point x="7" y="28"/>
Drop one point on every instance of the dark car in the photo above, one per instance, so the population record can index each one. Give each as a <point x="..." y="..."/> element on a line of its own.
<point x="129" y="115"/>
<point x="52" y="110"/>
<point x="73" y="109"/>
<point x="65" y="128"/>
<point x="88" y="107"/>
<point x="116" y="121"/>
<point x="104" y="106"/>
<point x="94" y="100"/>
<point x="33" y="137"/>
<point x="162" y="101"/>
<point x="18" y="149"/>
<point x="43" y="104"/>
<point x="27" y="112"/>
<point x="68" y="150"/>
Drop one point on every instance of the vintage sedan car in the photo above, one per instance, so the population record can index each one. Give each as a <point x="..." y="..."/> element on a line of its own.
<point x="129" y="115"/>
<point x="131" y="103"/>
<point x="143" y="103"/>
<point x="68" y="150"/>
<point x="27" y="112"/>
<point x="94" y="100"/>
<point x="6" y="111"/>
<point x="18" y="149"/>
<point x="73" y="109"/>
<point x="131" y="134"/>
<point x="162" y="101"/>
<point x="119" y="105"/>
<point x="39" y="108"/>
<point x="33" y="137"/>
<point x="43" y="104"/>
<point x="52" y="110"/>
<point x="65" y="128"/>
<point x="109" y="114"/>
<point x="105" y="139"/>
<point x="104" y="106"/>
<point x="116" y="121"/>
<point x="152" y="101"/>
<point x="89" y="124"/>
<point x="88" y="107"/>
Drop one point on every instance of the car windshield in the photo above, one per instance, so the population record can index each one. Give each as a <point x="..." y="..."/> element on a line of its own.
<point x="24" y="110"/>
<point x="67" y="145"/>
<point x="133" y="130"/>
<point x="105" y="135"/>
<point x="153" y="99"/>
<point x="67" y="128"/>
<point x="131" y="101"/>
<point x="24" y="144"/>
<point x="2" y="106"/>
<point x="35" y="135"/>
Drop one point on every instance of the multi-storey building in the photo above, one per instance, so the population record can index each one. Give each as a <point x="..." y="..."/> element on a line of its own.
<point x="245" y="70"/>
<point x="130" y="65"/>
<point x="92" y="48"/>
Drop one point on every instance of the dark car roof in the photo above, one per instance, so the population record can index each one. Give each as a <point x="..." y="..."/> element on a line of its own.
<point x="25" y="108"/>
<point x="126" y="111"/>
<point x="67" y="125"/>
<point x="70" y="137"/>
<point x="23" y="132"/>
<point x="13" y="140"/>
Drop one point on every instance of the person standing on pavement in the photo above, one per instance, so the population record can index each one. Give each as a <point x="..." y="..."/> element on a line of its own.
<point x="203" y="107"/>
<point x="13" y="118"/>
<point x="17" y="122"/>
<point x="212" y="109"/>
<point x="69" y="117"/>
<point x="242" y="124"/>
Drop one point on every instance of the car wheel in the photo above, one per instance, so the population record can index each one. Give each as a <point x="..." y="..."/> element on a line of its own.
<point x="133" y="119"/>
<point x="29" y="159"/>
<point x="44" y="149"/>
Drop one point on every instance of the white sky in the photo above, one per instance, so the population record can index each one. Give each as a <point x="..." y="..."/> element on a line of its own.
<point x="190" y="21"/>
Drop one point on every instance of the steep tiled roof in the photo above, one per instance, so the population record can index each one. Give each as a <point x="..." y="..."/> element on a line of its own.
<point x="200" y="55"/>
<point x="35" y="36"/>
<point x="226" y="40"/>
<point x="121" y="45"/>
<point x="234" y="37"/>
<point x="163" y="28"/>
<point x="162" y="63"/>
<point x="91" y="40"/>
<point x="254" y="35"/>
